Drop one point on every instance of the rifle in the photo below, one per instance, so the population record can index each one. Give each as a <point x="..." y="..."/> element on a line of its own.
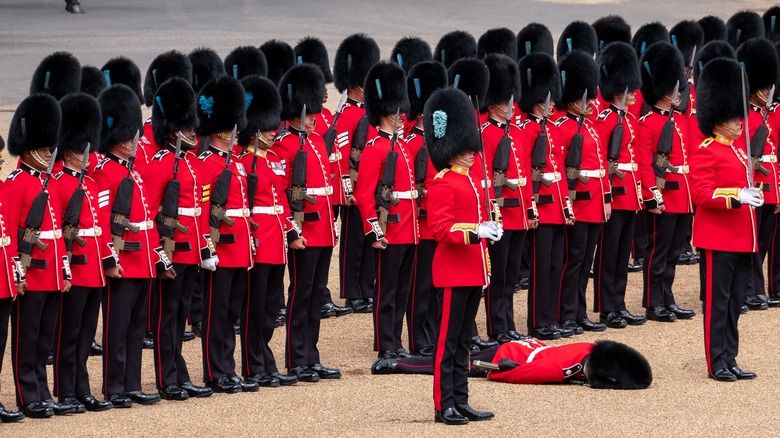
<point x="297" y="193"/>
<point x="251" y="181"/>
<point x="123" y="202"/>
<point x="359" y="139"/>
<point x="616" y="140"/>
<point x="70" y="220"/>
<point x="219" y="196"/>
<point x="420" y="171"/>
<point x="168" y="217"/>
<point x="574" y="155"/>
<point x="759" y="138"/>
<point x="501" y="159"/>
<point x="384" y="191"/>
<point x="685" y="99"/>
<point x="504" y="364"/>
<point x="539" y="155"/>
<point x="30" y="235"/>
<point x="664" y="148"/>
<point x="330" y="135"/>
<point x="745" y="99"/>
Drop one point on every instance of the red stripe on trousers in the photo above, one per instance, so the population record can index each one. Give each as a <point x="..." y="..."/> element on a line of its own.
<point x="290" y="309"/>
<point x="378" y="299"/>
<point x="208" y="326"/>
<point x="440" y="347"/>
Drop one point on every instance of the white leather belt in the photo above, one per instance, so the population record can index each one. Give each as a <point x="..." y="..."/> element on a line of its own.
<point x="237" y="212"/>
<point x="627" y="167"/>
<point x="90" y="232"/>
<point x="535" y="352"/>
<point x="5" y="241"/>
<point x="593" y="173"/>
<point x="320" y="191"/>
<point x="189" y="212"/>
<point x="520" y="182"/>
<point x="278" y="209"/>
<point x="678" y="169"/>
<point x="334" y="157"/>
<point x="143" y="226"/>
<point x="552" y="176"/>
<point x="409" y="194"/>
<point x="768" y="159"/>
<point x="51" y="234"/>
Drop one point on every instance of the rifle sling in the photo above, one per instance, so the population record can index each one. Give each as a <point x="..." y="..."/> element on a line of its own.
<point x="38" y="264"/>
<point x="619" y="191"/>
<point x="672" y="185"/>
<point x="545" y="199"/>
<point x="78" y="259"/>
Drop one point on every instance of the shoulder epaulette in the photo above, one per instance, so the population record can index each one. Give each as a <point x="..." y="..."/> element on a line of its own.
<point x="410" y="137"/>
<point x="144" y="140"/>
<point x="604" y="114"/>
<point x="57" y="175"/>
<point x="204" y="155"/>
<point x="642" y="119"/>
<point x="282" y="135"/>
<point x="160" y="154"/>
<point x="13" y="175"/>
<point x="441" y="174"/>
<point x="560" y="121"/>
<point x="101" y="163"/>
<point x="707" y="141"/>
<point x="522" y="124"/>
<point x="773" y="107"/>
<point x="484" y="125"/>
<point x="371" y="142"/>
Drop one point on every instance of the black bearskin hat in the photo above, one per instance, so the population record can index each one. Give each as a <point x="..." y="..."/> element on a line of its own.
<point x="471" y="76"/>
<point x="206" y="65"/>
<point x="279" y="56"/>
<point x="58" y="74"/>
<point x="686" y="35"/>
<point x="312" y="50"/>
<point x="713" y="49"/>
<point x="533" y="38"/>
<point x="173" y="64"/>
<point x="647" y="35"/>
<point x="577" y="35"/>
<point x="354" y="57"/>
<point x="771" y="24"/>
<point x="579" y="72"/>
<point x="92" y="80"/>
<point x="539" y="75"/>
<point x="422" y="81"/>
<point x="619" y="69"/>
<point x="612" y="365"/>
<point x="35" y="124"/>
<point x="612" y="28"/>
<point x="504" y="80"/>
<point x="81" y="123"/>
<point x="221" y="105"/>
<point x="385" y="92"/>
<point x="498" y="40"/>
<point x="743" y="26"/>
<point x="301" y="85"/>
<point x="245" y="61"/>
<point x="121" y="114"/>
<point x="123" y="71"/>
<point x="454" y="46"/>
<point x="264" y="107"/>
<point x="661" y="67"/>
<point x="450" y="126"/>
<point x="408" y="51"/>
<point x="761" y="65"/>
<point x="718" y="93"/>
<point x="173" y="109"/>
<point x="714" y="28"/>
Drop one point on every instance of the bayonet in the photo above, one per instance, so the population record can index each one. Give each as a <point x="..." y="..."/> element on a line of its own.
<point x="583" y="102"/>
<point x="395" y="129"/>
<point x="49" y="168"/>
<point x="746" y="128"/>
<point x="84" y="164"/>
<point x="229" y="154"/>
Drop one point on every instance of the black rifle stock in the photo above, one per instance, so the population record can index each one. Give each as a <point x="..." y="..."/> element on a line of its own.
<point x="359" y="139"/>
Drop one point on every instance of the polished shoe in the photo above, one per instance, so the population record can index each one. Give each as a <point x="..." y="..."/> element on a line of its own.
<point x="517" y="287"/>
<point x="387" y="354"/>
<point x="518" y="336"/>
<point x="94" y="405"/>
<point x="342" y="310"/>
<point x="681" y="313"/>
<point x="327" y="311"/>
<point x="360" y="306"/>
<point x="280" y="320"/>
<point x="50" y="359"/>
<point x="741" y="374"/>
<point x="196" y="326"/>
<point x="73" y="401"/>
<point x="502" y="338"/>
<point x="188" y="336"/>
<point x="148" y="342"/>
<point x="524" y="283"/>
<point x="37" y="410"/>
<point x="143" y="398"/>
<point x="473" y="414"/>
<point x="120" y="401"/>
<point x="236" y="329"/>
<point x="612" y="320"/>
<point x="723" y="375"/>
<point x="695" y="258"/>
<point x="685" y="258"/>
<point x="60" y="408"/>
<point x="483" y="344"/>
<point x="304" y="374"/>
<point x="265" y="380"/>
<point x="564" y="331"/>
<point x="284" y="380"/>
<point x="95" y="349"/>
<point x="10" y="416"/>
<point x="325" y="372"/>
<point x="246" y="385"/>
<point x="591" y="274"/>
<point x="590" y="326"/>
<point x="635" y="267"/>
<point x="632" y="319"/>
<point x="743" y="310"/>
<point x="425" y="351"/>
<point x="384" y="366"/>
<point x="450" y="416"/>
<point x="660" y="314"/>
<point x="402" y="353"/>
<point x="224" y="385"/>
<point x="196" y="391"/>
<point x="773" y="300"/>
<point x="755" y="303"/>
<point x="545" y="333"/>
<point x="74" y="7"/>
<point x="173" y="392"/>
<point x="573" y="326"/>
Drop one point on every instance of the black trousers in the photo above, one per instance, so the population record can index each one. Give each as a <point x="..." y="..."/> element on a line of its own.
<point x="33" y="318"/>
<point x="422" y="309"/>
<point x="581" y="239"/>
<point x="222" y="301"/>
<point x="773" y="256"/>
<point x="266" y="286"/>
<point x="547" y="259"/>
<point x="73" y="336"/>
<point x="724" y="276"/>
<point x="308" y="271"/>
<point x="394" y="273"/>
<point x="6" y="304"/>
<point x="666" y="239"/>
<point x="125" y="302"/>
<point x="169" y="319"/>
<point x="505" y="258"/>
<point x="640" y="234"/>
<point x="611" y="263"/>
<point x="765" y="217"/>
<point x="357" y="272"/>
<point x="451" y="355"/>
<point x="196" y="304"/>
<point x="424" y="364"/>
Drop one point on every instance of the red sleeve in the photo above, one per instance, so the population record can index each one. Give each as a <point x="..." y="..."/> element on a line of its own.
<point x="534" y="373"/>
<point x="370" y="174"/>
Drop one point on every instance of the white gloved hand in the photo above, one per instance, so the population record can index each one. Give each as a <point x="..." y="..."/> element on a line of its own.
<point x="210" y="263"/>
<point x="489" y="230"/>
<point x="751" y="196"/>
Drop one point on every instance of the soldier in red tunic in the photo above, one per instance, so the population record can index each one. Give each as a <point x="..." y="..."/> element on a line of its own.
<point x="172" y="64"/>
<point x="124" y="71"/>
<point x="725" y="206"/>
<point x="458" y="216"/>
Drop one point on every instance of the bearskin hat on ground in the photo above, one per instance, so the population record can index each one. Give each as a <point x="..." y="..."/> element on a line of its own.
<point x="612" y="365"/>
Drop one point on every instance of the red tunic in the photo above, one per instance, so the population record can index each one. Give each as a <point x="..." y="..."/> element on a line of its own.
<point x="541" y="363"/>
<point x="626" y="192"/>
<point x="345" y="128"/>
<point x="415" y="141"/>
<point x="10" y="269"/>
